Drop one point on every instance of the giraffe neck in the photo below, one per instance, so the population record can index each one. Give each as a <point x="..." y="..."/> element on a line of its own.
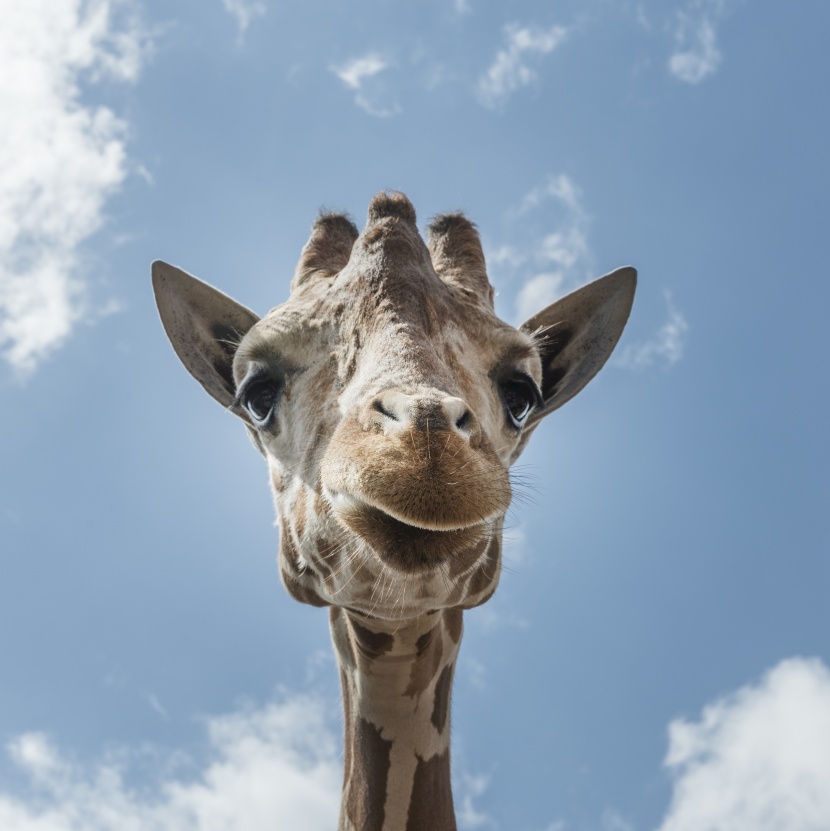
<point x="396" y="680"/>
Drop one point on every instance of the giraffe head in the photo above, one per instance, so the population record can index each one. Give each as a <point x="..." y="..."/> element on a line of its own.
<point x="389" y="402"/>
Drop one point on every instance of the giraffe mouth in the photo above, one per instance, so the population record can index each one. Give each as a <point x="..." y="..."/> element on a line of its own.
<point x="400" y="544"/>
<point x="344" y="503"/>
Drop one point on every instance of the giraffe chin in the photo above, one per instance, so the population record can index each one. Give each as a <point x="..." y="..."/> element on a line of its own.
<point x="409" y="548"/>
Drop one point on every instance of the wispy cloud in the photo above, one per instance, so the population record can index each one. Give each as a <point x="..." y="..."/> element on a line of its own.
<point x="155" y="704"/>
<point x="696" y="54"/>
<point x="353" y="73"/>
<point x="642" y="17"/>
<point x="474" y="672"/>
<point x="549" y="251"/>
<point x="244" y="11"/>
<point x="665" y="347"/>
<point x="272" y="767"/>
<point x="549" y="254"/>
<point x="470" y="788"/>
<point x="757" y="760"/>
<point x="60" y="160"/>
<point x="497" y="614"/>
<point x="361" y="75"/>
<point x="513" y="67"/>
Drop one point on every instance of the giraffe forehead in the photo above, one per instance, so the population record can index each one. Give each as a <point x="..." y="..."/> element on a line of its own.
<point x="420" y="323"/>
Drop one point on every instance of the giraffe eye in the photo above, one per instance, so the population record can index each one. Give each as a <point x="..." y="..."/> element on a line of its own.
<point x="520" y="396"/>
<point x="260" y="399"/>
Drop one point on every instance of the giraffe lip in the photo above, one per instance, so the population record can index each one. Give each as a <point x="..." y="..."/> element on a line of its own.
<point x="346" y="503"/>
<point x="400" y="544"/>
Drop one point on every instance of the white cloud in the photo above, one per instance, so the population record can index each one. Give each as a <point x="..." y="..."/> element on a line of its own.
<point x="494" y="615"/>
<point x="696" y="55"/>
<point x="512" y="70"/>
<point x="275" y="766"/>
<point x="559" y="201"/>
<point x="537" y="293"/>
<point x="561" y="188"/>
<point x="244" y="11"/>
<point x="60" y="160"/>
<point x="757" y="760"/>
<point x="549" y="252"/>
<point x="474" y="672"/>
<point x="470" y="788"/>
<point x="549" y="255"/>
<point x="361" y="75"/>
<point x="156" y="705"/>
<point x="642" y="18"/>
<point x="272" y="767"/>
<point x="505" y="256"/>
<point x="666" y="346"/>
<point x="354" y="72"/>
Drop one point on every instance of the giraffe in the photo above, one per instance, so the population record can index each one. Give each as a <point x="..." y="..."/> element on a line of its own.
<point x="389" y="402"/>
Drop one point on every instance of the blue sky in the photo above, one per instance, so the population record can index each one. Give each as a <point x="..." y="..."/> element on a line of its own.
<point x="657" y="656"/>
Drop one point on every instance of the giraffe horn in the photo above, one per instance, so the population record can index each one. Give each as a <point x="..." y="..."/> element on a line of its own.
<point x="391" y="204"/>
<point x="328" y="248"/>
<point x="457" y="257"/>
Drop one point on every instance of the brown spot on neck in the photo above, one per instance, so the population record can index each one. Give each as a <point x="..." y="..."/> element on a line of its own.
<point x="428" y="656"/>
<point x="484" y="579"/>
<point x="341" y="640"/>
<point x="441" y="701"/>
<point x="430" y="806"/>
<point x="454" y="623"/>
<point x="366" y="780"/>
<point x="370" y="644"/>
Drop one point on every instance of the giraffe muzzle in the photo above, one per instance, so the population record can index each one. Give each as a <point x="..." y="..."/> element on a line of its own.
<point x="414" y="478"/>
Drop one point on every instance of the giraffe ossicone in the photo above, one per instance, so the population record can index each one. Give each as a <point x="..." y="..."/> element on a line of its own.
<point x="389" y="402"/>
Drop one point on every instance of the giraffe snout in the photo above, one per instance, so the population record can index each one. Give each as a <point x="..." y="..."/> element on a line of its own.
<point x="431" y="411"/>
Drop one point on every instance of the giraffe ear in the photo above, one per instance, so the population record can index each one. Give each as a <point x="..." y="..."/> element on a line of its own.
<point x="578" y="333"/>
<point x="204" y="326"/>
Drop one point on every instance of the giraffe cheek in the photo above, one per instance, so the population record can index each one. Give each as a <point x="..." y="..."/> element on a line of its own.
<point x="301" y="592"/>
<point x="297" y="578"/>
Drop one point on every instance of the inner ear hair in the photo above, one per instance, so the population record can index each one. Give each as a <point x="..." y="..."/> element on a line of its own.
<point x="577" y="334"/>
<point x="204" y="326"/>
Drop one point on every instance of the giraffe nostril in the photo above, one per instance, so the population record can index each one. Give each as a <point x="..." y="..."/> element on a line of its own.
<point x="464" y="421"/>
<point x="377" y="406"/>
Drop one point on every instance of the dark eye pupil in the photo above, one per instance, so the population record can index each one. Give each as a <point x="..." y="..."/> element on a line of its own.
<point x="519" y="400"/>
<point x="260" y="400"/>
